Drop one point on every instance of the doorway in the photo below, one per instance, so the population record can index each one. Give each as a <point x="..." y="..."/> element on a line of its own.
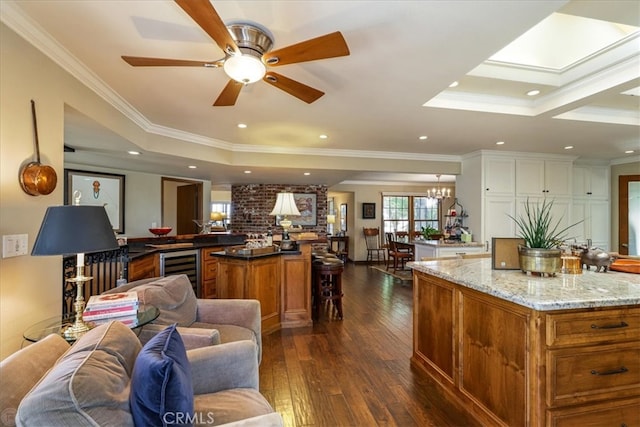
<point x="629" y="214"/>
<point x="182" y="203"/>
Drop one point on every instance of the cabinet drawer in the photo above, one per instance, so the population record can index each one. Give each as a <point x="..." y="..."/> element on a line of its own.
<point x="206" y="253"/>
<point x="593" y="373"/>
<point x="605" y="326"/>
<point x="618" y="413"/>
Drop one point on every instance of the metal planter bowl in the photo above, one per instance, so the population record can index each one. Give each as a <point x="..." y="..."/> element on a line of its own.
<point x="545" y="262"/>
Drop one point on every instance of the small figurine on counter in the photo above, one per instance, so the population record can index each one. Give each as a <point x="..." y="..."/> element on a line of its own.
<point x="596" y="257"/>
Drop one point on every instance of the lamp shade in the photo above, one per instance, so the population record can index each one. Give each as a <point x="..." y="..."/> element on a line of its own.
<point x="74" y="230"/>
<point x="285" y="205"/>
<point x="216" y="216"/>
<point x="331" y="219"/>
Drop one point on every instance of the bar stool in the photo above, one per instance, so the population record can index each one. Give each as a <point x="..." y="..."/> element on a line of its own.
<point x="327" y="284"/>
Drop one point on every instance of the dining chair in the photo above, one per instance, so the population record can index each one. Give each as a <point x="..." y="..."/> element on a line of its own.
<point x="374" y="246"/>
<point x="394" y="253"/>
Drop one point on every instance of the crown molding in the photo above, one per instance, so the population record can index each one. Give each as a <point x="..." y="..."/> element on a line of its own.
<point x="33" y="33"/>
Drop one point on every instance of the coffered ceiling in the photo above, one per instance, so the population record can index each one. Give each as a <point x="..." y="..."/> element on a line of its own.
<point x="393" y="88"/>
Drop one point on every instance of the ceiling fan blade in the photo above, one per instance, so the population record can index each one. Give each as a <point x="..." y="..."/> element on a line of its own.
<point x="208" y="19"/>
<point x="140" y="61"/>
<point x="292" y="87"/>
<point x="229" y="94"/>
<point x="327" y="46"/>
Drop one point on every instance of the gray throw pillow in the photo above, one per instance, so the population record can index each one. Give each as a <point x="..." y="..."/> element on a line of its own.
<point x="89" y="385"/>
<point x="174" y="297"/>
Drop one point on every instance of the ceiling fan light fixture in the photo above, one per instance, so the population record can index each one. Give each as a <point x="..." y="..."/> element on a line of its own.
<point x="245" y="69"/>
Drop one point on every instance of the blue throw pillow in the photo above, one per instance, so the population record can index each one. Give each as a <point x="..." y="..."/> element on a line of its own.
<point x="161" y="386"/>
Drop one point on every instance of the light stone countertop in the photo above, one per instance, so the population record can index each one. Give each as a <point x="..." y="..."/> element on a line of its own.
<point x="565" y="291"/>
<point x="441" y="244"/>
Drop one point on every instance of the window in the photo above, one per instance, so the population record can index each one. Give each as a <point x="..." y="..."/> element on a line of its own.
<point x="409" y="213"/>
<point x="425" y="213"/>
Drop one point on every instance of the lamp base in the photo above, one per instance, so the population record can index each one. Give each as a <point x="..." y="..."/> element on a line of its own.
<point x="76" y="330"/>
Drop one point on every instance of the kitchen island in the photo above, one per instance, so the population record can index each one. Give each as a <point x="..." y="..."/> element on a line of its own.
<point x="281" y="281"/>
<point x="440" y="248"/>
<point x="520" y="350"/>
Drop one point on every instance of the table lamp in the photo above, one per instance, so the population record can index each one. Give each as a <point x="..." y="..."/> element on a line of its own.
<point x="331" y="219"/>
<point x="74" y="230"/>
<point x="285" y="206"/>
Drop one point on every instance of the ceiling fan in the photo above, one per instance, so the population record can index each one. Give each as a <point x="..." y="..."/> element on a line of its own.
<point x="247" y="48"/>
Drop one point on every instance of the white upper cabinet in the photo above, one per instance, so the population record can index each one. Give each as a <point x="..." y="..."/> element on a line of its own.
<point x="499" y="176"/>
<point x="550" y="178"/>
<point x="591" y="181"/>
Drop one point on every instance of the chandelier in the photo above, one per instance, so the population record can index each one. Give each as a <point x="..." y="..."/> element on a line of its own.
<point x="439" y="193"/>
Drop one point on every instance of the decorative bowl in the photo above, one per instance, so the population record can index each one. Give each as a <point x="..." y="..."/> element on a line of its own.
<point x="160" y="231"/>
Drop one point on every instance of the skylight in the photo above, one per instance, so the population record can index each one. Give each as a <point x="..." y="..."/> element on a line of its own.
<point x="561" y="40"/>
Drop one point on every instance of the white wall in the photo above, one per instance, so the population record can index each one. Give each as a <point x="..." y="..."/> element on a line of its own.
<point x="31" y="287"/>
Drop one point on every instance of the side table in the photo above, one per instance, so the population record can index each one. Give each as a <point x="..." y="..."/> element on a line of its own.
<point x="57" y="325"/>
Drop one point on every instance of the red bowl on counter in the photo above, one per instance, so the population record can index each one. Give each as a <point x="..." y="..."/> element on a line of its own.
<point x="160" y="231"/>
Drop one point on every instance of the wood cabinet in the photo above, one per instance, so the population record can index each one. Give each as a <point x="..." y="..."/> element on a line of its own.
<point x="144" y="267"/>
<point x="510" y="365"/>
<point x="255" y="278"/>
<point x="499" y="176"/>
<point x="591" y="181"/>
<point x="591" y="205"/>
<point x="423" y="250"/>
<point x="296" y="288"/>
<point x="496" y="221"/>
<point x="209" y="267"/>
<point x="537" y="177"/>
<point x="494" y="184"/>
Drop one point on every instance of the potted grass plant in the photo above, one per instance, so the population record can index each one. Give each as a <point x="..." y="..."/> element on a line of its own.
<point x="542" y="236"/>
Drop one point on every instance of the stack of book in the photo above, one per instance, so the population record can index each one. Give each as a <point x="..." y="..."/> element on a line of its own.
<point x="121" y="306"/>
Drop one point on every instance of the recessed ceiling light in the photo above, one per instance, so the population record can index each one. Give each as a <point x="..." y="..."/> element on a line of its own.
<point x="629" y="152"/>
<point x="247" y="171"/>
<point x="307" y="173"/>
<point x="134" y="153"/>
<point x="533" y="92"/>
<point x="500" y="143"/>
<point x="568" y="147"/>
<point x="454" y="84"/>
<point x="192" y="167"/>
<point x="422" y="138"/>
<point x="242" y="125"/>
<point x="323" y="136"/>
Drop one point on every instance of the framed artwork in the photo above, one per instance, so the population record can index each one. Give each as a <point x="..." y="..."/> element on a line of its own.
<point x="368" y="211"/>
<point x="504" y="253"/>
<point x="343" y="217"/>
<point x="97" y="189"/>
<point x="307" y="205"/>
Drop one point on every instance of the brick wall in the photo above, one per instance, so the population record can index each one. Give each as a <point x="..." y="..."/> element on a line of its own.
<point x="251" y="205"/>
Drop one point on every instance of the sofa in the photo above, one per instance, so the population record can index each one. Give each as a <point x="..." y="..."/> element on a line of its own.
<point x="107" y="378"/>
<point x="234" y="319"/>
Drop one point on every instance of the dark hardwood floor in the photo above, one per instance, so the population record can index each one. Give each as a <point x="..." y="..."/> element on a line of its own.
<point x="356" y="371"/>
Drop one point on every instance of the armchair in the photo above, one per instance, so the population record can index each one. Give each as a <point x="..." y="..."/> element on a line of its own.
<point x="234" y="319"/>
<point x="90" y="382"/>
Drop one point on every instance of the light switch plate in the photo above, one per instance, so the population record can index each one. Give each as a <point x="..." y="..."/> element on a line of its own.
<point x="14" y="245"/>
